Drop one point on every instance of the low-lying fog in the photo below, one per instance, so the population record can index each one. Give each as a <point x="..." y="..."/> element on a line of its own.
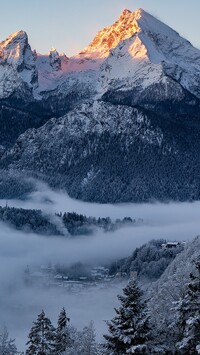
<point x="19" y="305"/>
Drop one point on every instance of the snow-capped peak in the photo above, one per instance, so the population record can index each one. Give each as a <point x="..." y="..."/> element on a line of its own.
<point x="17" y="64"/>
<point x="125" y="27"/>
<point x="127" y="13"/>
<point x="16" y="37"/>
<point x="142" y="56"/>
<point x="55" y="60"/>
<point x="16" y="52"/>
<point x="128" y="24"/>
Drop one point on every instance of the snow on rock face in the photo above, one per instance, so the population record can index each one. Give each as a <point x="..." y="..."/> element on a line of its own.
<point x="89" y="118"/>
<point x="55" y="60"/>
<point x="144" y="58"/>
<point x="111" y="36"/>
<point x="128" y="66"/>
<point x="16" y="52"/>
<point x="17" y="63"/>
<point x="13" y="49"/>
<point x="131" y="53"/>
<point x="134" y="53"/>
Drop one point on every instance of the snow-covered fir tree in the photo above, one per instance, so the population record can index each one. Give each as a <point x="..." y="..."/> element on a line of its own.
<point x="62" y="337"/>
<point x="89" y="346"/>
<point x="129" y="329"/>
<point x="7" y="346"/>
<point x="189" y="316"/>
<point x="41" y="337"/>
<point x="76" y="342"/>
<point x="83" y="342"/>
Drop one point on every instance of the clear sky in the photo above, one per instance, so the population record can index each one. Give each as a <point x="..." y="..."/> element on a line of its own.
<point x="69" y="25"/>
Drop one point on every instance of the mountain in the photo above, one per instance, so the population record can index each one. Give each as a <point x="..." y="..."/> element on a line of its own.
<point x="126" y="113"/>
<point x="17" y="63"/>
<point x="154" y="54"/>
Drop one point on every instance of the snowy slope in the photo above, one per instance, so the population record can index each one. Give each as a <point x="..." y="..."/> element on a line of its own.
<point x="171" y="287"/>
<point x="88" y="118"/>
<point x="153" y="53"/>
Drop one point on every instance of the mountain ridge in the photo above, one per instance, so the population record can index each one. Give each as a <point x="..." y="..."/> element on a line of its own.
<point x="90" y="58"/>
<point x="139" y="34"/>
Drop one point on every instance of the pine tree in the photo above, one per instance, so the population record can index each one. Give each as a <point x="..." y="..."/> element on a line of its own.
<point x="7" y="346"/>
<point x="83" y="342"/>
<point x="62" y="338"/>
<point x="129" y="329"/>
<point x="75" y="347"/>
<point x="89" y="346"/>
<point x="189" y="316"/>
<point x="41" y="337"/>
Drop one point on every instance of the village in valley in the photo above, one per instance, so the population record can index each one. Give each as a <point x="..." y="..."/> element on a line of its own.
<point x="80" y="277"/>
<point x="47" y="276"/>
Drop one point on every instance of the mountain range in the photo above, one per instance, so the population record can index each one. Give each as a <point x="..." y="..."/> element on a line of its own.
<point x="118" y="122"/>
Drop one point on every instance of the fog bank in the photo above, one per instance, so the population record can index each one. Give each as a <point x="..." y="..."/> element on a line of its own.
<point x="20" y="305"/>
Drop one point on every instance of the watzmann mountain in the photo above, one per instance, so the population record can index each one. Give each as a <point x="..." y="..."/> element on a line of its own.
<point x="118" y="122"/>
